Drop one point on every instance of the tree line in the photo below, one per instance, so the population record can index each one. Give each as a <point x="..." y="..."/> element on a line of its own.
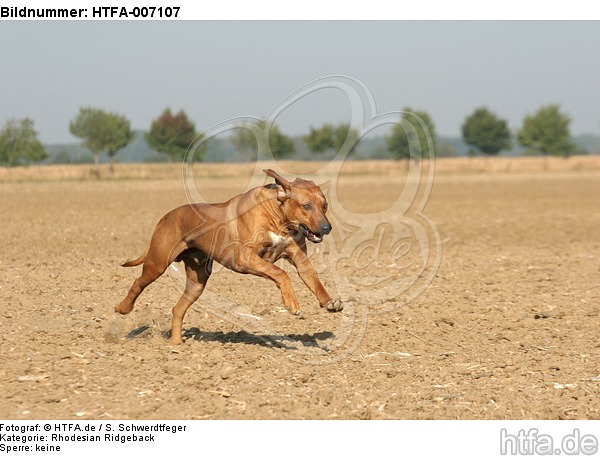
<point x="546" y="132"/>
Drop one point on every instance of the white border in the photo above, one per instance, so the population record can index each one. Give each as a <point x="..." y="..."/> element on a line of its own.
<point x="302" y="438"/>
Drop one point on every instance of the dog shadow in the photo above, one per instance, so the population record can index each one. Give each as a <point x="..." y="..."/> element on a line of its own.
<point x="287" y="341"/>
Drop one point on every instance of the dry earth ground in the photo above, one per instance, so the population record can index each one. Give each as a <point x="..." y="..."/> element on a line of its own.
<point x="507" y="329"/>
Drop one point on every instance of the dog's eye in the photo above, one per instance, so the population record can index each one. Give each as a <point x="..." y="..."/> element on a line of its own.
<point x="325" y="206"/>
<point x="307" y="206"/>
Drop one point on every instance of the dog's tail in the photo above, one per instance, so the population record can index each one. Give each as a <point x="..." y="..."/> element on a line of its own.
<point x="136" y="262"/>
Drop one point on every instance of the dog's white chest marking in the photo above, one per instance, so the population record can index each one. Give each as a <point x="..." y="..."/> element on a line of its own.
<point x="279" y="240"/>
<point x="279" y="243"/>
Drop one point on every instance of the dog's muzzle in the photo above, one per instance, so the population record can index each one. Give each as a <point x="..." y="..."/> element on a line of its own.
<point x="324" y="228"/>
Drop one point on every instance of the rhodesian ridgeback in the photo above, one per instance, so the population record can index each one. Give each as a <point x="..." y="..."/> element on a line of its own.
<point x="246" y="234"/>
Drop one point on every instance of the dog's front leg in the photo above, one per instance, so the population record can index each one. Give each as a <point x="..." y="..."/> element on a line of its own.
<point x="248" y="262"/>
<point x="308" y="274"/>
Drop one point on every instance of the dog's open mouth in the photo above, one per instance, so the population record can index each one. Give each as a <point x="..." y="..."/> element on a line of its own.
<point x="312" y="237"/>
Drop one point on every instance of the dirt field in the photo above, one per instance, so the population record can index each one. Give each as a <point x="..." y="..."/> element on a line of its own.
<point x="507" y="329"/>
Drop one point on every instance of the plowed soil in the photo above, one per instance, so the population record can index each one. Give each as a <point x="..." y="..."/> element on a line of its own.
<point x="507" y="328"/>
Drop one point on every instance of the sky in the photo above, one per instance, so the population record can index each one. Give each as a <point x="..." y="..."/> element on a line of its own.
<point x="217" y="70"/>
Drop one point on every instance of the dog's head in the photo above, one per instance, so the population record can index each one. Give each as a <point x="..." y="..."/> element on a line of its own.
<point x="304" y="206"/>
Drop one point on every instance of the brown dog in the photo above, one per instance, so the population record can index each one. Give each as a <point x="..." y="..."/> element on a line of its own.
<point x="246" y="234"/>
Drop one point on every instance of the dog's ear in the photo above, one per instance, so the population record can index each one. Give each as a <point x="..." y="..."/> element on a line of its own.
<point x="299" y="180"/>
<point x="284" y="187"/>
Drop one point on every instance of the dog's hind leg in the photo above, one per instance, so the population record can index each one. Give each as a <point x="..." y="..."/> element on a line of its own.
<point x="198" y="268"/>
<point x="156" y="260"/>
<point x="150" y="273"/>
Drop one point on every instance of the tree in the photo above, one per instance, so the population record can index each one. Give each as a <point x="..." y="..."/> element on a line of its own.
<point x="412" y="136"/>
<point x="320" y="139"/>
<point x="281" y="145"/>
<point x="486" y="132"/>
<point x="172" y="134"/>
<point x="547" y="132"/>
<point x="246" y="143"/>
<point x="330" y="137"/>
<point x="101" y="131"/>
<point x="19" y="143"/>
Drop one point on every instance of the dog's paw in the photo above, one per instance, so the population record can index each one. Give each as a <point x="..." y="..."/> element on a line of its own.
<point x="123" y="308"/>
<point x="335" y="305"/>
<point x="295" y="310"/>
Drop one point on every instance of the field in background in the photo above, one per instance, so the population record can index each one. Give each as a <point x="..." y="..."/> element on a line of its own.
<point x="381" y="167"/>
<point x="508" y="329"/>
